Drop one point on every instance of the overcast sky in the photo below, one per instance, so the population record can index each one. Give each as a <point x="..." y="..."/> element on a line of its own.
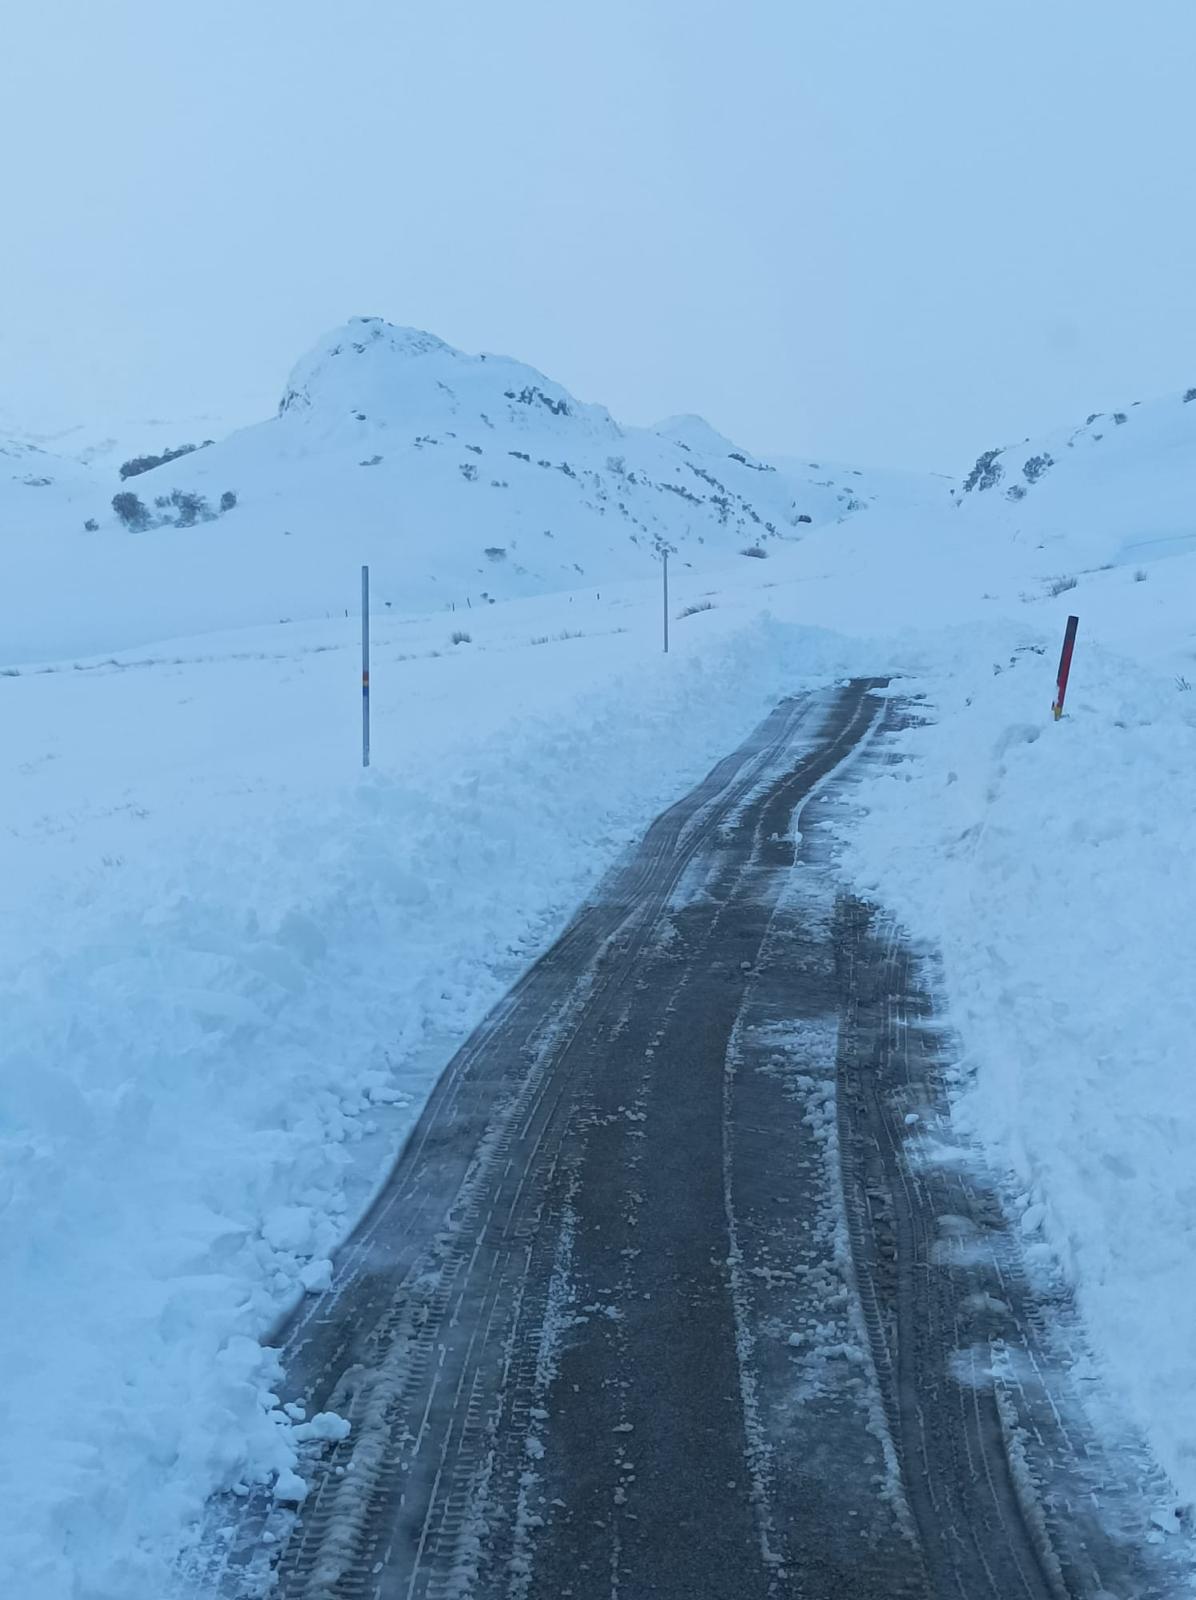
<point x="885" y="231"/>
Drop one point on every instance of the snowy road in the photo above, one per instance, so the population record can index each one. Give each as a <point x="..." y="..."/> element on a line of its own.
<point x="682" y="1288"/>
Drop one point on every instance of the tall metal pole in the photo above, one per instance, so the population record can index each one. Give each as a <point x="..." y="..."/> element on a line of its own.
<point x="365" y="666"/>
<point x="665" y="557"/>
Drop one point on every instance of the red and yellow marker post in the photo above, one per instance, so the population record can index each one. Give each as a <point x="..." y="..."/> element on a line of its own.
<point x="1069" y="644"/>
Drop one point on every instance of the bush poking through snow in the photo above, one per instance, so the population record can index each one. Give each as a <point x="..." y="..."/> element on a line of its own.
<point x="757" y="550"/>
<point x="132" y="511"/>
<point x="692" y="611"/>
<point x="1141" y="575"/>
<point x="986" y="474"/>
<point x="191" y="508"/>
<point x="462" y="638"/>
<point x="140" y="464"/>
<point x="181" y="508"/>
<point x="1061" y="585"/>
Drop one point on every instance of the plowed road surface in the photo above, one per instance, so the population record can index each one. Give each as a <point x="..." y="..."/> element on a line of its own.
<point x="683" y="1287"/>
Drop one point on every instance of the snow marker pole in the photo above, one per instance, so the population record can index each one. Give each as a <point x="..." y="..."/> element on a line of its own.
<point x="1069" y="644"/>
<point x="365" y="666"/>
<point x="665" y="560"/>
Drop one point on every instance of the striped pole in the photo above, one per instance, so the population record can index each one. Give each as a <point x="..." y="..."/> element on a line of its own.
<point x="1069" y="644"/>
<point x="365" y="666"/>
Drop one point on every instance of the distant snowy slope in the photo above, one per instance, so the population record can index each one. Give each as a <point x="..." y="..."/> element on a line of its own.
<point x="106" y="442"/>
<point x="861" y="488"/>
<point x="41" y="492"/>
<point x="461" y="479"/>
<point x="1119" y="488"/>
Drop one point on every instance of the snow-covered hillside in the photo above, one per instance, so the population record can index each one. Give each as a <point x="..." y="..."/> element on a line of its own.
<point x="462" y="480"/>
<point x="1119" y="488"/>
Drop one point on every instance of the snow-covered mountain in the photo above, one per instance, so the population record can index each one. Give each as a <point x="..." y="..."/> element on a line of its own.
<point x="1120" y="487"/>
<point x="476" y="475"/>
<point x="460" y="479"/>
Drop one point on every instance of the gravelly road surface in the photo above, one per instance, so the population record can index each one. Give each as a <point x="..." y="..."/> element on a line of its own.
<point x="684" y="1288"/>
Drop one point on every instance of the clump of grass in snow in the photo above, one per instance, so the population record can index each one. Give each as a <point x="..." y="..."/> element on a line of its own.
<point x="549" y="638"/>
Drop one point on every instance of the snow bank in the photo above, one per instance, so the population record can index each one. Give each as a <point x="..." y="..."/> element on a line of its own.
<point x="1055" y="867"/>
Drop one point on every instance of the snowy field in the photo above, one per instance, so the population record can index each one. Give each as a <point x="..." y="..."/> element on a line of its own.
<point x="232" y="963"/>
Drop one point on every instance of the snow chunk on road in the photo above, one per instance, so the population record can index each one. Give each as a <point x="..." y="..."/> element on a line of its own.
<point x="1033" y="1218"/>
<point x="288" y="1228"/>
<point x="316" y="1276"/>
<point x="290" y="1489"/>
<point x="326" y="1426"/>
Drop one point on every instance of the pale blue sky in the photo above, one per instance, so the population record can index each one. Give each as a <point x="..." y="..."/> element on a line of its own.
<point x="889" y="233"/>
